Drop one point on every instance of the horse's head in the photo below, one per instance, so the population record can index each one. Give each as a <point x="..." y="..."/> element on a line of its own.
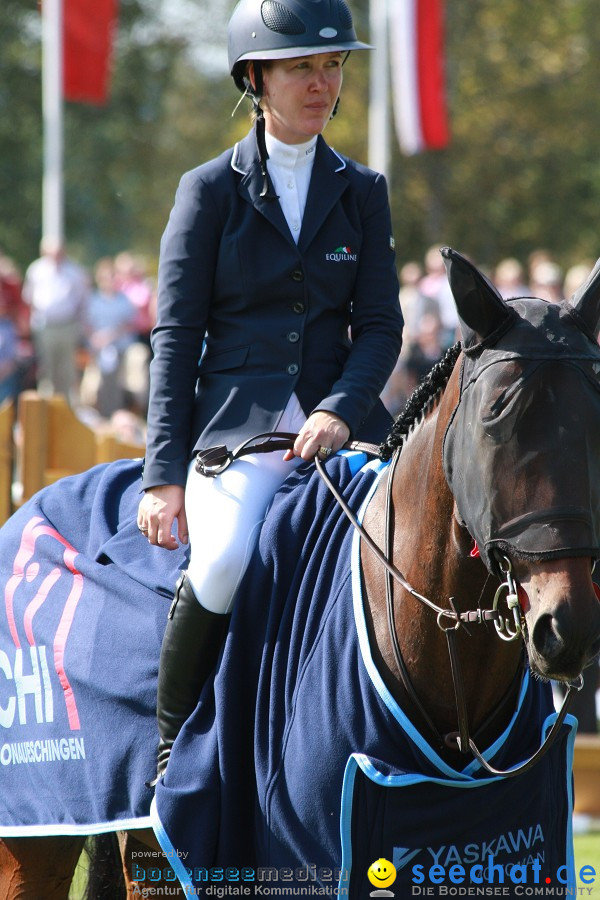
<point x="522" y="455"/>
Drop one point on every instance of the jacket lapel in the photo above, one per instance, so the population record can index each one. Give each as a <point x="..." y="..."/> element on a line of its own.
<point x="327" y="184"/>
<point x="245" y="161"/>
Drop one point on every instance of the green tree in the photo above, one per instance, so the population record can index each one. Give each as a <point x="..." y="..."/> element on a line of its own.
<point x="522" y="170"/>
<point x="20" y="130"/>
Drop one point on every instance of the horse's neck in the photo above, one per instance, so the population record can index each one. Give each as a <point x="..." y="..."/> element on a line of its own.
<point x="433" y="553"/>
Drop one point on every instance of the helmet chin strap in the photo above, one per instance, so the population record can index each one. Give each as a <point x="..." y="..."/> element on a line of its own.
<point x="337" y="102"/>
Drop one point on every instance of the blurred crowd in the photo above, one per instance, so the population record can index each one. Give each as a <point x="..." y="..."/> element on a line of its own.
<point x="83" y="334"/>
<point x="86" y="334"/>
<point x="431" y="322"/>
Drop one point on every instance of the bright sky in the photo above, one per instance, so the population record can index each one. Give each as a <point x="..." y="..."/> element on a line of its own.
<point x="206" y="19"/>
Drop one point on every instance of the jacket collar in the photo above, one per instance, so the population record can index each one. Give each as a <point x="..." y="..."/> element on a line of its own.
<point x="327" y="184"/>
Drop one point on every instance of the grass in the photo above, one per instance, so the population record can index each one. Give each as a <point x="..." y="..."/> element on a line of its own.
<point x="587" y="853"/>
<point x="79" y="882"/>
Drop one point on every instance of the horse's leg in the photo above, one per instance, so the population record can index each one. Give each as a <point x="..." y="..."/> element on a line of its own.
<point x="145" y="866"/>
<point x="32" y="868"/>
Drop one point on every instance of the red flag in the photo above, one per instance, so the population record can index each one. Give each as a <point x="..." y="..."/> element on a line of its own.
<point x="418" y="74"/>
<point x="88" y="39"/>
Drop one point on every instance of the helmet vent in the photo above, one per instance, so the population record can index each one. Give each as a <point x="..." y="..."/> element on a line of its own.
<point x="345" y="15"/>
<point x="278" y="18"/>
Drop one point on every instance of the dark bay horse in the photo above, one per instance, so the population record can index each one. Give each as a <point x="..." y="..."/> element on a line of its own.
<point x="499" y="470"/>
<point x="489" y="516"/>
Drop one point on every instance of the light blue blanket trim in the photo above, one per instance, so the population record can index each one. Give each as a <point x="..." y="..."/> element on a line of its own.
<point x="57" y="829"/>
<point x="364" y="763"/>
<point x="170" y="852"/>
<point x="572" y="722"/>
<point x="357" y="460"/>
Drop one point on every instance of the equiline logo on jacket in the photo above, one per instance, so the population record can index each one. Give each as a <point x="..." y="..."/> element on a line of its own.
<point x="342" y="254"/>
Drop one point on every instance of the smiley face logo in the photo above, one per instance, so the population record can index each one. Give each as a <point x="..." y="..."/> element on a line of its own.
<point x="382" y="873"/>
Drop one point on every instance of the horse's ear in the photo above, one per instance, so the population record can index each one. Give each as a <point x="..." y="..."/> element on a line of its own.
<point x="481" y="309"/>
<point x="587" y="301"/>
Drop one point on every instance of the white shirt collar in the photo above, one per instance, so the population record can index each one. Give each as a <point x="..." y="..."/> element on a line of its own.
<point x="290" y="156"/>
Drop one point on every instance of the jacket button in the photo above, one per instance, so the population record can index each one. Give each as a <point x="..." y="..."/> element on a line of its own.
<point x="298" y="275"/>
<point x="293" y="337"/>
<point x="292" y="369"/>
<point x="298" y="308"/>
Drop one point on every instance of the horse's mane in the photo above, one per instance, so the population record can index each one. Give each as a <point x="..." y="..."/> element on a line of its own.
<point x="418" y="403"/>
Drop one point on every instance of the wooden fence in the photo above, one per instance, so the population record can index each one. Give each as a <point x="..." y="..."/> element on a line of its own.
<point x="586" y="769"/>
<point x="42" y="440"/>
<point x="6" y="459"/>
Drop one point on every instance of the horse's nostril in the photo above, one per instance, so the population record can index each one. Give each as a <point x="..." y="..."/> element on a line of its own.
<point x="546" y="638"/>
<point x="562" y="649"/>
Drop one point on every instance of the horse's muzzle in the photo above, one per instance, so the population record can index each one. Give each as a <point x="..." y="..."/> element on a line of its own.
<point x="559" y="648"/>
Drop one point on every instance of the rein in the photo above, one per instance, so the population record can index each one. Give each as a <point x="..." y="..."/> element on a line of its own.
<point x="213" y="461"/>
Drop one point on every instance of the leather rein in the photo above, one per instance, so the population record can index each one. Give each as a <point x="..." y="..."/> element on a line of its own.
<point x="213" y="461"/>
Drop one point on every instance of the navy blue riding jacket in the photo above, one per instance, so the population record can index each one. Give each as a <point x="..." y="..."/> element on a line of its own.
<point x="246" y="316"/>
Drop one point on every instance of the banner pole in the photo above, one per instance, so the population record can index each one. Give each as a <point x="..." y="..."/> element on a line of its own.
<point x="52" y="113"/>
<point x="379" y="119"/>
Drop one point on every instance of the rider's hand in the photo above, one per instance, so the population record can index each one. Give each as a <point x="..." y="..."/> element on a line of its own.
<point x="321" y="429"/>
<point x="157" y="510"/>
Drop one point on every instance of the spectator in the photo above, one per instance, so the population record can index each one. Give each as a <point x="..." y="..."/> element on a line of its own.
<point x="536" y="257"/>
<point x="108" y="325"/>
<point x="12" y="288"/>
<point x="546" y="281"/>
<point x="56" y="290"/>
<point x="131" y="280"/>
<point x="437" y="296"/>
<point x="8" y="349"/>
<point x="427" y="350"/>
<point x="509" y="279"/>
<point x="399" y="384"/>
<point x="575" y="277"/>
<point x="411" y="274"/>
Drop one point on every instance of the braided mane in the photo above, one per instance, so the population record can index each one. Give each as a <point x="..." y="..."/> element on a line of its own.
<point x="418" y="403"/>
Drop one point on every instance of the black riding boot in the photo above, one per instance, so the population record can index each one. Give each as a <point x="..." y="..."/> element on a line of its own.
<point x="189" y="653"/>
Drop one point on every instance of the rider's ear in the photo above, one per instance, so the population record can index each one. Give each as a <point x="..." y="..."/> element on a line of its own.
<point x="251" y="75"/>
<point x="484" y="315"/>
<point x="586" y="302"/>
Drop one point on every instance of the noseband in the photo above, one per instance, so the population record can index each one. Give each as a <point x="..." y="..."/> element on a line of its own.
<point x="450" y="620"/>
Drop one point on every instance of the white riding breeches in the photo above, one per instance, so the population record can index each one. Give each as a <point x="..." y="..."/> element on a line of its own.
<point x="224" y="516"/>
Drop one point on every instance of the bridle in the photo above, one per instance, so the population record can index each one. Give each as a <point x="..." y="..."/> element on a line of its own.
<point x="450" y="620"/>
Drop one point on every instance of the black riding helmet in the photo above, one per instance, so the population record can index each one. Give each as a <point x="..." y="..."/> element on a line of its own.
<point x="261" y="30"/>
<point x="281" y="29"/>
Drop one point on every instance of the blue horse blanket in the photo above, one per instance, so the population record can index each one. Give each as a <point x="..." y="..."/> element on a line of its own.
<point x="297" y="765"/>
<point x="85" y="600"/>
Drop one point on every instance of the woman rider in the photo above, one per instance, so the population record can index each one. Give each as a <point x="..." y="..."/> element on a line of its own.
<point x="277" y="310"/>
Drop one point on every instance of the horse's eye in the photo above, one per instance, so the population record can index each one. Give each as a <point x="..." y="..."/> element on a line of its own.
<point x="504" y="403"/>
